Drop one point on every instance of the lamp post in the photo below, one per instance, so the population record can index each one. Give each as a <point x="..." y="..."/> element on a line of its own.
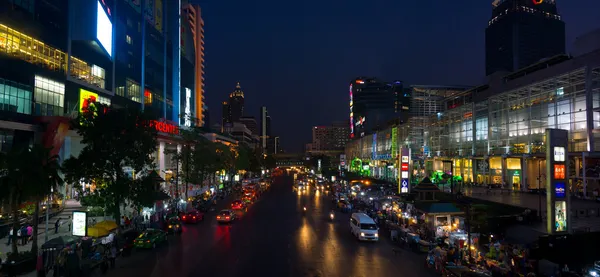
<point x="540" y="190"/>
<point x="48" y="212"/>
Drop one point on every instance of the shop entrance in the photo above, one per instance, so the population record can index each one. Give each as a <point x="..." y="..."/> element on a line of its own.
<point x="516" y="181"/>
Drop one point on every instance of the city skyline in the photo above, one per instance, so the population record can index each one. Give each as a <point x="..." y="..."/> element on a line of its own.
<point x="268" y="79"/>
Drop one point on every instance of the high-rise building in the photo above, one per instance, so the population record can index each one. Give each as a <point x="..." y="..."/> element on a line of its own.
<point x="521" y="33"/>
<point x="265" y="128"/>
<point x="278" y="148"/>
<point x="251" y="124"/>
<point x="329" y="138"/>
<point x="236" y="103"/>
<point x="226" y="120"/>
<point x="193" y="15"/>
<point x="373" y="104"/>
<point x="66" y="53"/>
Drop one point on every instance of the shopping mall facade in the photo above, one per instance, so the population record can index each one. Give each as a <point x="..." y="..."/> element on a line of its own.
<point x="494" y="134"/>
<point x="57" y="55"/>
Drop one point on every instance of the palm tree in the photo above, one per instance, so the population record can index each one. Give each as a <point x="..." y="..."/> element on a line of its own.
<point x="44" y="180"/>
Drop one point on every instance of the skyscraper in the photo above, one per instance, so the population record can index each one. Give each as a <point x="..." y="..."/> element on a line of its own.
<point x="192" y="13"/>
<point x="251" y="124"/>
<point x="226" y="116"/>
<point x="265" y="128"/>
<point x="236" y="103"/>
<point x="373" y="104"/>
<point x="521" y="33"/>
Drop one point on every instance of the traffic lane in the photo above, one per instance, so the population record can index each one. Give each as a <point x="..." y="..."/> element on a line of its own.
<point x="327" y="248"/>
<point x="277" y="239"/>
<point x="172" y="257"/>
<point x="258" y="244"/>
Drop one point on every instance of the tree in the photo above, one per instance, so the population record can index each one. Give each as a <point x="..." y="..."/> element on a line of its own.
<point x="184" y="157"/>
<point x="270" y="162"/>
<point x="27" y="174"/>
<point x="204" y="160"/>
<point x="115" y="140"/>
<point x="45" y="178"/>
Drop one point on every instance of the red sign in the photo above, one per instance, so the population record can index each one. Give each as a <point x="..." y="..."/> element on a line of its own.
<point x="559" y="171"/>
<point x="537" y="2"/>
<point x="404" y="167"/>
<point x="164" y="127"/>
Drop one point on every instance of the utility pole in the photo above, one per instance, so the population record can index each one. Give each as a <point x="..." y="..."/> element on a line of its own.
<point x="540" y="190"/>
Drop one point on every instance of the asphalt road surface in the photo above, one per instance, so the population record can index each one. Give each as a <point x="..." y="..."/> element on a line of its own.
<point x="274" y="238"/>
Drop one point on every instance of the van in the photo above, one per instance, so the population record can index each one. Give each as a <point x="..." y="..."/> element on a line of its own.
<point x="363" y="227"/>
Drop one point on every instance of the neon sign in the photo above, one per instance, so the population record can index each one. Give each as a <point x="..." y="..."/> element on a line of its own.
<point x="537" y="2"/>
<point x="86" y="98"/>
<point x="351" y="114"/>
<point x="164" y="127"/>
<point x="559" y="171"/>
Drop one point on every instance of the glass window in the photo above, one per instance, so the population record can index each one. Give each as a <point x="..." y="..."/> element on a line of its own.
<point x="15" y="97"/>
<point x="49" y="96"/>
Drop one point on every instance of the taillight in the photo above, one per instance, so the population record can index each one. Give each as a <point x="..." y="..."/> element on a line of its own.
<point x="184" y="217"/>
<point x="218" y="217"/>
<point x="194" y="217"/>
<point x="226" y="217"/>
<point x="148" y="241"/>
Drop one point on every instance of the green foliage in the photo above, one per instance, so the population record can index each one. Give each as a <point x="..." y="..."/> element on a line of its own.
<point x="270" y="162"/>
<point x="114" y="139"/>
<point x="27" y="174"/>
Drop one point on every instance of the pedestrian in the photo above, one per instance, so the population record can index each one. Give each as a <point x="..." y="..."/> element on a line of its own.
<point x="56" y="225"/>
<point x="29" y="232"/>
<point x="10" y="235"/>
<point x="24" y="235"/>
<point x="70" y="222"/>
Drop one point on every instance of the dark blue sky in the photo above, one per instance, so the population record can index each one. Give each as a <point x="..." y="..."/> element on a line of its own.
<point x="297" y="57"/>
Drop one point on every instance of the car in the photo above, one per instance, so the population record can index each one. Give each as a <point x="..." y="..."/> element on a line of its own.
<point x="192" y="217"/>
<point x="127" y="242"/>
<point x="226" y="216"/>
<point x="174" y="226"/>
<point x="150" y="238"/>
<point x="238" y="205"/>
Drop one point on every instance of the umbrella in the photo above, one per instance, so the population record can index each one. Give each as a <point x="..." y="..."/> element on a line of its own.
<point x="107" y="225"/>
<point x="96" y="232"/>
<point x="59" y="242"/>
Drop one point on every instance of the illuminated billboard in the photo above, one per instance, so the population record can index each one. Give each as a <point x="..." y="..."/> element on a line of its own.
<point x="104" y="29"/>
<point x="86" y="98"/>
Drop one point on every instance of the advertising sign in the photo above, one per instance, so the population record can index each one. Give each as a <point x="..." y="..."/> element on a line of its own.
<point x="404" y="159"/>
<point x="404" y="167"/>
<point x="559" y="190"/>
<point x="158" y="15"/>
<point x="104" y="29"/>
<point x="560" y="218"/>
<point x="79" y="224"/>
<point x="86" y="98"/>
<point x="404" y="186"/>
<point x="559" y="154"/>
<point x="559" y="171"/>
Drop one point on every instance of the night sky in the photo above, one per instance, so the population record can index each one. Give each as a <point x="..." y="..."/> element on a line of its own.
<point x="297" y="57"/>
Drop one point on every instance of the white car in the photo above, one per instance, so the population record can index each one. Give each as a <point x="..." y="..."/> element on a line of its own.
<point x="363" y="227"/>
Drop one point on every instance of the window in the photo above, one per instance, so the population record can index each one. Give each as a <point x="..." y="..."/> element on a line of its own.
<point x="104" y="100"/>
<point x="128" y="39"/>
<point x="133" y="91"/>
<point x="48" y="96"/>
<point x="91" y="74"/>
<point x="21" y="46"/>
<point x="15" y="97"/>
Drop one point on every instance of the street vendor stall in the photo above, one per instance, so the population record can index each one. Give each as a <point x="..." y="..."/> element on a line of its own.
<point x="440" y="217"/>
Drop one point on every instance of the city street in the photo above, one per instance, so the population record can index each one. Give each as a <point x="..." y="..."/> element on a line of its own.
<point x="274" y="239"/>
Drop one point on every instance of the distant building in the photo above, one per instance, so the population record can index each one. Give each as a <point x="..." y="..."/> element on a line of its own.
<point x="226" y="119"/>
<point x="521" y="33"/>
<point x="242" y="134"/>
<point x="236" y="103"/>
<point x="327" y="138"/>
<point x="265" y="128"/>
<point x="251" y="124"/>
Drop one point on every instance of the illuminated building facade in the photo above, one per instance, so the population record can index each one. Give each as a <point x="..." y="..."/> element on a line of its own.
<point x="116" y="52"/>
<point x="521" y="33"/>
<point x="494" y="133"/>
<point x="374" y="104"/>
<point x="193" y="15"/>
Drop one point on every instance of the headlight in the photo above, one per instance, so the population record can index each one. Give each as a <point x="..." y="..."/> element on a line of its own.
<point x="593" y="273"/>
<point x="376" y="235"/>
<point x="170" y="226"/>
<point x="362" y="234"/>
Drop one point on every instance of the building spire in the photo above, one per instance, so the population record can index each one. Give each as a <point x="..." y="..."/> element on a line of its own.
<point x="237" y="92"/>
<point x="238" y="85"/>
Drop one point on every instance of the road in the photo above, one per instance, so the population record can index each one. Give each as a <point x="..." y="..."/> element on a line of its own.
<point x="274" y="238"/>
